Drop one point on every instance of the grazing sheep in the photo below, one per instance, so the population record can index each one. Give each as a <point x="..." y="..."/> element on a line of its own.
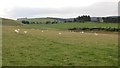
<point x="82" y="32"/>
<point x="25" y="32"/>
<point x="59" y="33"/>
<point x="42" y="31"/>
<point x="96" y="34"/>
<point x="16" y="31"/>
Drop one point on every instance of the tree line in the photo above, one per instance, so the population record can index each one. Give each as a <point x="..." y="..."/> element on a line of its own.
<point x="87" y="18"/>
<point x="111" y="19"/>
<point x="83" y="18"/>
<point x="47" y="22"/>
<point x="94" y="29"/>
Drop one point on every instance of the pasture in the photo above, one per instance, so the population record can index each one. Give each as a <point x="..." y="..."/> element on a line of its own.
<point x="42" y="45"/>
<point x="65" y="26"/>
<point x="10" y="22"/>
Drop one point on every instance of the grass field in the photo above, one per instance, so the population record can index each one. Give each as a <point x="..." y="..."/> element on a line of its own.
<point x="65" y="26"/>
<point x="10" y="22"/>
<point x="49" y="48"/>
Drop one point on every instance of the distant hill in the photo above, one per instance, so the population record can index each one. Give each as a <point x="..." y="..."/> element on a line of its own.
<point x="10" y="22"/>
<point x="39" y="20"/>
<point x="62" y="19"/>
<point x="58" y="19"/>
<point x="100" y="18"/>
<point x="43" y="20"/>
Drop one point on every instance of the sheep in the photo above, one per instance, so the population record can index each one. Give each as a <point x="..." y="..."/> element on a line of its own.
<point x="42" y="31"/>
<point x="17" y="31"/>
<point x="82" y="32"/>
<point x="96" y="34"/>
<point x="25" y="32"/>
<point x="59" y="33"/>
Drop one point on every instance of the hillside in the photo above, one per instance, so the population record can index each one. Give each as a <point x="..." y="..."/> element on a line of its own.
<point x="10" y="22"/>
<point x="38" y="20"/>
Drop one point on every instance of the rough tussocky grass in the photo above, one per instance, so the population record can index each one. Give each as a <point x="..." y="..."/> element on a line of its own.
<point x="48" y="48"/>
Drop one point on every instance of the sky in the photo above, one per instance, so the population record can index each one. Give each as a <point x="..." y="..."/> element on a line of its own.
<point x="57" y="8"/>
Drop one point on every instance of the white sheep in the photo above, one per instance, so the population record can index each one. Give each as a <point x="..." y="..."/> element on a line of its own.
<point x="82" y="32"/>
<point x="96" y="34"/>
<point x="25" y="32"/>
<point x="59" y="33"/>
<point x="42" y="31"/>
<point x="17" y="31"/>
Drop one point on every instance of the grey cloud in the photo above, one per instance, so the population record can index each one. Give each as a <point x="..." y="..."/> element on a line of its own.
<point x="98" y="9"/>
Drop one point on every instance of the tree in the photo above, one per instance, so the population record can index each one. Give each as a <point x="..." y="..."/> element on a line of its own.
<point x="111" y="19"/>
<point x="48" y="22"/>
<point x="23" y="21"/>
<point x="82" y="18"/>
<point x="74" y="20"/>
<point x="98" y="20"/>
<point x="27" y="22"/>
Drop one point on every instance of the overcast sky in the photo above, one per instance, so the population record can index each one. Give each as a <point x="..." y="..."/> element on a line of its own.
<point x="57" y="8"/>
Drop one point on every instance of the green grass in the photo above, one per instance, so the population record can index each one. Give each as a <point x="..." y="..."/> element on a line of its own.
<point x="65" y="26"/>
<point x="48" y="48"/>
<point x="10" y="22"/>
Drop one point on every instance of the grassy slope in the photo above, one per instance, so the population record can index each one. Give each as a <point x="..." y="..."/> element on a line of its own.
<point x="10" y="22"/>
<point x="48" y="48"/>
